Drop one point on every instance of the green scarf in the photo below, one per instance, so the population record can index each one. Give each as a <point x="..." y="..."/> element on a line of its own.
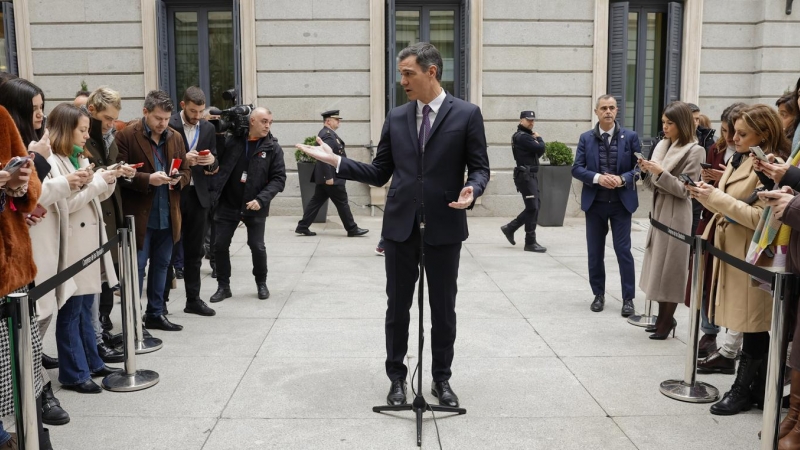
<point x="74" y="158"/>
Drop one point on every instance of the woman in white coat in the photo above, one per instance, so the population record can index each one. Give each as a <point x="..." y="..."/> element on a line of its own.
<point x="78" y="360"/>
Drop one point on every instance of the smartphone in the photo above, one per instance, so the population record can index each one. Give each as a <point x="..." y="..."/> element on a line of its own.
<point x="39" y="212"/>
<point x="706" y="165"/>
<point x="204" y="152"/>
<point x="639" y="155"/>
<point x="114" y="166"/>
<point x="687" y="179"/>
<point x="759" y="153"/>
<point x="136" y="166"/>
<point x="15" y="163"/>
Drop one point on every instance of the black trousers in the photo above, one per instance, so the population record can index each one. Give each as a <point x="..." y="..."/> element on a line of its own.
<point x="528" y="187"/>
<point x="226" y="221"/>
<point x="338" y="195"/>
<point x="402" y="272"/>
<point x="107" y="296"/>
<point x="193" y="230"/>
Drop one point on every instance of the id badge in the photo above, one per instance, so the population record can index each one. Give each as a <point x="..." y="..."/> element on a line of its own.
<point x="244" y="177"/>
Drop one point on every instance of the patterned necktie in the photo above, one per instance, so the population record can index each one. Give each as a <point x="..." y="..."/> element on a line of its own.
<point x="425" y="129"/>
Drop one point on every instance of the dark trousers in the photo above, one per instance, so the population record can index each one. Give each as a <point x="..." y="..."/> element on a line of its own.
<point x="597" y="220"/>
<point x="338" y="195"/>
<point x="107" y="296"/>
<point x="227" y="220"/>
<point x="528" y="187"/>
<point x="402" y="272"/>
<point x="157" y="248"/>
<point x="193" y="230"/>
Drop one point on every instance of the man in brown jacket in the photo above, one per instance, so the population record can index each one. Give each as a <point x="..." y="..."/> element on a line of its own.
<point x="153" y="197"/>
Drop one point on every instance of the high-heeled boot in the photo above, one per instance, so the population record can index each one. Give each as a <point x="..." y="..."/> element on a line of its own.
<point x="739" y="399"/>
<point x="790" y="420"/>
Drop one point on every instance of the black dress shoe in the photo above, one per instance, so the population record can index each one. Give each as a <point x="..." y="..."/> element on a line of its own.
<point x="716" y="363"/>
<point x="52" y="412"/>
<point x="509" y="234"/>
<point x="161" y="323"/>
<point x="179" y="273"/>
<point x="397" y="393"/>
<point x="221" y="294"/>
<point x="87" y="387"/>
<point x="109" y="354"/>
<point x="263" y="292"/>
<point x="49" y="362"/>
<point x="707" y="345"/>
<point x="598" y="303"/>
<point x="627" y="308"/>
<point x="105" y="322"/>
<point x="199" y="307"/>
<point x="105" y="371"/>
<point x="444" y="393"/>
<point x="304" y="231"/>
<point x="535" y="247"/>
<point x="357" y="232"/>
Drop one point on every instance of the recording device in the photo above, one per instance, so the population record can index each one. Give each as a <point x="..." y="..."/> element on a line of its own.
<point x="759" y="153"/>
<point x="687" y="179"/>
<point x="639" y="155"/>
<point x="16" y="163"/>
<point x="235" y="120"/>
<point x="706" y="165"/>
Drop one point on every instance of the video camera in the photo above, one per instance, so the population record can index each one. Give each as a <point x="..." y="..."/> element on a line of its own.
<point x="235" y="120"/>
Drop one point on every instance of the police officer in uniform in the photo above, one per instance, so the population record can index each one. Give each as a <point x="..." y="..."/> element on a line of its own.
<point x="328" y="185"/>
<point x="528" y="147"/>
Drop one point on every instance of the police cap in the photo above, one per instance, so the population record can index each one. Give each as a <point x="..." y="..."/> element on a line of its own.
<point x="530" y="115"/>
<point x="334" y="114"/>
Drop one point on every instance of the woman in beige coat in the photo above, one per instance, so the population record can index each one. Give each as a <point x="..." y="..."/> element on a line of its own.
<point x="734" y="302"/>
<point x="665" y="258"/>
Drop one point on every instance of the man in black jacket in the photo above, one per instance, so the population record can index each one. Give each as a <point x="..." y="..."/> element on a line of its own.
<point x="199" y="138"/>
<point x="328" y="185"/>
<point x="528" y="147"/>
<point x="251" y="174"/>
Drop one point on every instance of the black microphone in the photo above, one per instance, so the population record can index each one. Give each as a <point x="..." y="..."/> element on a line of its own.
<point x="214" y="112"/>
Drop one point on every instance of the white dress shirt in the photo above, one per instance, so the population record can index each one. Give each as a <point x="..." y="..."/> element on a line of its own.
<point x="191" y="132"/>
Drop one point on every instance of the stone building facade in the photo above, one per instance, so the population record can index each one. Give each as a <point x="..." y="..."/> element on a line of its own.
<point x="302" y="57"/>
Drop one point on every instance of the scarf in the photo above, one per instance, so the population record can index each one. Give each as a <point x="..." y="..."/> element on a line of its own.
<point x="76" y="151"/>
<point x="796" y="143"/>
<point x="109" y="138"/>
<point x="668" y="155"/>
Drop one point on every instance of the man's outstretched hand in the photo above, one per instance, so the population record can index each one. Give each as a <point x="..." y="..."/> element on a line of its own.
<point x="464" y="199"/>
<point x="321" y="152"/>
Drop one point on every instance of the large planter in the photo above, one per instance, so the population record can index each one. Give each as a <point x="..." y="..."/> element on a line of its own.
<point x="555" y="183"/>
<point x="307" y="187"/>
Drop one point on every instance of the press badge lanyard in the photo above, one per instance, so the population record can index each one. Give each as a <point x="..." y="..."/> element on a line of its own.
<point x="194" y="141"/>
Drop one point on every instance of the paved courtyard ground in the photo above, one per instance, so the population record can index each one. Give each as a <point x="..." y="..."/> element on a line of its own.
<point x="533" y="366"/>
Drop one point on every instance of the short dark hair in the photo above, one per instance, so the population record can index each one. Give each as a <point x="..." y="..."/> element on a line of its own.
<point x="681" y="114"/>
<point x="694" y="108"/>
<point x="427" y="56"/>
<point x="195" y="95"/>
<point x="82" y="93"/>
<point x="158" y="98"/>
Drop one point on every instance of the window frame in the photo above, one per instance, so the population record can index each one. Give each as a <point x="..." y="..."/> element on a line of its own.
<point x="10" y="36"/>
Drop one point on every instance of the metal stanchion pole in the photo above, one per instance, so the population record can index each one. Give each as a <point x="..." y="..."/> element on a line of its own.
<point x="144" y="344"/>
<point x="777" y="357"/>
<point x="131" y="379"/>
<point x="689" y="389"/>
<point x="27" y="424"/>
<point x="644" y="320"/>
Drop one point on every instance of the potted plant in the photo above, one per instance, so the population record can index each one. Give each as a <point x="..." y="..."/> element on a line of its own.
<point x="305" y="169"/>
<point x="555" y="183"/>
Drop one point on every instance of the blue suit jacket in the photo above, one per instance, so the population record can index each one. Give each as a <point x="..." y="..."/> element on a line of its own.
<point x="587" y="165"/>
<point x="457" y="144"/>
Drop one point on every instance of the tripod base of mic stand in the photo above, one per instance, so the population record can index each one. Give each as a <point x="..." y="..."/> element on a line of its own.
<point x="419" y="406"/>
<point x="680" y="390"/>
<point x="638" y="320"/>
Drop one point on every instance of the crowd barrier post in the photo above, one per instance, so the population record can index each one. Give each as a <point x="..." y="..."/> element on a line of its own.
<point x="131" y="379"/>
<point x="644" y="320"/>
<point x="143" y="344"/>
<point x="689" y="389"/>
<point x="782" y="291"/>
<point x="21" y="343"/>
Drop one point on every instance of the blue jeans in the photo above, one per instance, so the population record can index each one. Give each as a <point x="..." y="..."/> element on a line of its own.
<point x="158" y="248"/>
<point x="4" y="436"/>
<point x="76" y="341"/>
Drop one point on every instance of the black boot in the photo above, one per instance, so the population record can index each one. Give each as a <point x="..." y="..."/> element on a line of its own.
<point x="531" y="245"/>
<point x="739" y="398"/>
<point x="52" y="412"/>
<point x="758" y="390"/>
<point x="508" y="230"/>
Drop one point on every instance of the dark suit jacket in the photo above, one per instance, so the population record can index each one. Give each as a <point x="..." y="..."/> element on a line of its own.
<point x="207" y="140"/>
<point x="457" y="144"/>
<point x="137" y="195"/>
<point x="587" y="165"/>
<point x="112" y="206"/>
<point x="324" y="172"/>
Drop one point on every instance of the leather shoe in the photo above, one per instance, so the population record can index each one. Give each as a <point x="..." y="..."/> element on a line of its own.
<point x="105" y="371"/>
<point x="263" y="292"/>
<point x="105" y="322"/>
<point x="445" y="394"/>
<point x="52" y="412"/>
<point x="199" y="307"/>
<point x="161" y="323"/>
<point x="397" y="393"/>
<point x="627" y="308"/>
<point x="598" y="303"/>
<point x="109" y="354"/>
<point x="535" y="247"/>
<point x="357" y="232"/>
<point x="179" y="273"/>
<point x="716" y="363"/>
<point x="707" y="345"/>
<point x="87" y="387"/>
<point x="221" y="294"/>
<point x="49" y="362"/>
<point x="509" y="234"/>
<point x="304" y="231"/>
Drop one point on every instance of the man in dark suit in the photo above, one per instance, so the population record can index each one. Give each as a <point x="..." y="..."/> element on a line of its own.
<point x="606" y="164"/>
<point x="328" y="185"/>
<point x="198" y="136"/>
<point x="425" y="147"/>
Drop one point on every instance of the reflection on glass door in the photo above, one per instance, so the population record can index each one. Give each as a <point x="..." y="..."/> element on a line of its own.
<point x="407" y="33"/>
<point x="220" y="50"/>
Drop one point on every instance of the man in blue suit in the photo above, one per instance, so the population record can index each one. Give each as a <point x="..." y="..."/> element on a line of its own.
<point x="426" y="146"/>
<point x="606" y="164"/>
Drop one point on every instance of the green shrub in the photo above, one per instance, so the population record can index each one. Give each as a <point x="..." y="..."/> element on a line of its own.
<point x="558" y="153"/>
<point x="301" y="157"/>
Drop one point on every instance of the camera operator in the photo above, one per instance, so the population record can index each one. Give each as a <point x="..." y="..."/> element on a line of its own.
<point x="251" y="174"/>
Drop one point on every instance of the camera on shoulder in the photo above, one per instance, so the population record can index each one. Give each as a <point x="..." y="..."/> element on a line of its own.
<point x="234" y="120"/>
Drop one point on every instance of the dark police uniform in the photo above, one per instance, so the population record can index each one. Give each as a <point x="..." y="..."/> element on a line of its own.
<point x="323" y="191"/>
<point x="527" y="151"/>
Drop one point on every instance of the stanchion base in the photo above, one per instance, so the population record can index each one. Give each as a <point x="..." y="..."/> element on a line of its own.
<point x="699" y="393"/>
<point x="642" y="320"/>
<point x="148" y="345"/>
<point x="122" y="382"/>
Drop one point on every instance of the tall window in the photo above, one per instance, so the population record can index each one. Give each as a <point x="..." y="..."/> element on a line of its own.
<point x="198" y="42"/>
<point x="644" y="61"/>
<point x="8" y="41"/>
<point x="444" y="24"/>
